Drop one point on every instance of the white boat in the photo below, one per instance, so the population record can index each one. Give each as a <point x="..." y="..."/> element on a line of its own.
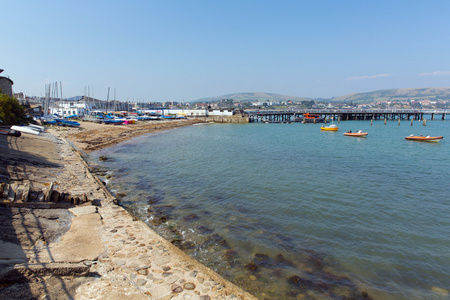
<point x="359" y="133"/>
<point x="37" y="127"/>
<point x="25" y="129"/>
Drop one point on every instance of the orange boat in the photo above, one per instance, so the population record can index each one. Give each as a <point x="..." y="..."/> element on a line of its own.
<point x="424" y="138"/>
<point x="312" y="118"/>
<point x="356" y="134"/>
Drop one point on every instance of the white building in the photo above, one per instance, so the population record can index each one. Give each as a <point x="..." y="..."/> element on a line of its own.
<point x="68" y="108"/>
<point x="190" y="112"/>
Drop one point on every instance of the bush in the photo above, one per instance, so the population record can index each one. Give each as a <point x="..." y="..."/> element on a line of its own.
<point x="11" y="112"/>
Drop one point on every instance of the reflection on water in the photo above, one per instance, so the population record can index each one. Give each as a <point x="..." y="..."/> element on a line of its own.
<point x="289" y="212"/>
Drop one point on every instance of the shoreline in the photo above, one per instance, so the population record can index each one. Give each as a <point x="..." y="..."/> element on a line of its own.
<point x="116" y="255"/>
<point x="92" y="136"/>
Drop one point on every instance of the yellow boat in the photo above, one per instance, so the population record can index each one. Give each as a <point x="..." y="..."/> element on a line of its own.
<point x="332" y="127"/>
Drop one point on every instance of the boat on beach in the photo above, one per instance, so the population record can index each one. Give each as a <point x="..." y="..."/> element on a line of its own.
<point x="62" y="122"/>
<point x="332" y="127"/>
<point x="424" y="138"/>
<point x="113" y="121"/>
<point x="7" y="131"/>
<point x="359" y="133"/>
<point x="25" y="129"/>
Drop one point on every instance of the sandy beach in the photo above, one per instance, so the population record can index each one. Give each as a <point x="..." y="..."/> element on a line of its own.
<point x="92" y="136"/>
<point x="64" y="237"/>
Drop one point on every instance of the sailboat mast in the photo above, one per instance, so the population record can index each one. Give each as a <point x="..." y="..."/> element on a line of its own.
<point x="107" y="101"/>
<point x="114" y="100"/>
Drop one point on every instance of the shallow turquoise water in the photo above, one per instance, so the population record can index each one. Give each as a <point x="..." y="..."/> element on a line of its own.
<point x="346" y="214"/>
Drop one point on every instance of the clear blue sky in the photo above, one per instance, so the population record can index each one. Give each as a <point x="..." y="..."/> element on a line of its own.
<point x="185" y="50"/>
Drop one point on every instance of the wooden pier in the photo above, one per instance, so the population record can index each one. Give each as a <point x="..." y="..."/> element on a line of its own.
<point x="282" y="116"/>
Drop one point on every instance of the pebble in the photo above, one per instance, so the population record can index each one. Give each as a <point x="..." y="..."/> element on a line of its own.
<point x="194" y="274"/>
<point x="143" y="272"/>
<point x="176" y="288"/>
<point x="119" y="255"/>
<point x="141" y="282"/>
<point x="189" y="286"/>
<point x="441" y="291"/>
<point x="120" y="262"/>
<point x="173" y="279"/>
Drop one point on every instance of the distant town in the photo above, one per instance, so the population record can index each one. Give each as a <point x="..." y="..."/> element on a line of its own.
<point x="81" y="105"/>
<point x="54" y="104"/>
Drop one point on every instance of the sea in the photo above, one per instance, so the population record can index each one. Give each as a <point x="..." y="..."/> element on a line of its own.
<point x="287" y="211"/>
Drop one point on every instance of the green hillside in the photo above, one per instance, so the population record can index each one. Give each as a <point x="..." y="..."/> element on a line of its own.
<point x="256" y="96"/>
<point x="396" y="94"/>
<point x="440" y="93"/>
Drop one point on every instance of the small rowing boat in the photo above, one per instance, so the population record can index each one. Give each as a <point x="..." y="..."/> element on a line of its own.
<point x="424" y="138"/>
<point x="332" y="127"/>
<point x="359" y="133"/>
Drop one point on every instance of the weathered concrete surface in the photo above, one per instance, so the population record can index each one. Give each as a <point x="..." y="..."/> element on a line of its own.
<point x="80" y="243"/>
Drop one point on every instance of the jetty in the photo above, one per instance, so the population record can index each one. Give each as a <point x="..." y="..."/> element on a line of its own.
<point x="281" y="116"/>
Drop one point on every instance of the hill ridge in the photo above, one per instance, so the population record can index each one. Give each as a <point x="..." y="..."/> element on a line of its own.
<point x="383" y="95"/>
<point x="254" y="96"/>
<point x="401" y="94"/>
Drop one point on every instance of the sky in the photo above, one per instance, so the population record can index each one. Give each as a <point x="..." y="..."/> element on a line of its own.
<point x="181" y="50"/>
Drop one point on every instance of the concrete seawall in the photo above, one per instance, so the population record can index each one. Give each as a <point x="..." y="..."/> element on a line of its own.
<point x="229" y="119"/>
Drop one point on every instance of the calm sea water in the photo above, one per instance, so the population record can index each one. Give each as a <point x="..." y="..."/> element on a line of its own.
<point x="287" y="211"/>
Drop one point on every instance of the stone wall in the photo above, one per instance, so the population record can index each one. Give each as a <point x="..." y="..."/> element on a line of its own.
<point x="6" y="86"/>
<point x="229" y="119"/>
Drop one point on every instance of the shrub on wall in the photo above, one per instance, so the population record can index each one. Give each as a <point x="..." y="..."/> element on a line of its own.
<point x="11" y="112"/>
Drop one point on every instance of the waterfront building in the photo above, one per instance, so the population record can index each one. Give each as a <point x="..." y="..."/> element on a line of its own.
<point x="81" y="106"/>
<point x="6" y="85"/>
